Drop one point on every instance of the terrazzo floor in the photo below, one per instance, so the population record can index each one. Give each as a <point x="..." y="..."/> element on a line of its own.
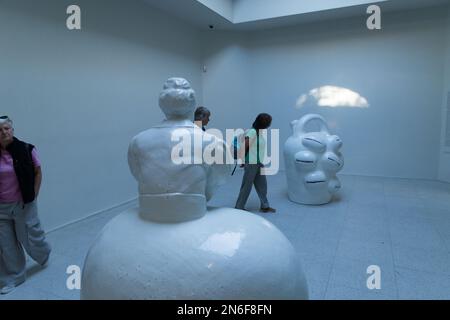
<point x="400" y="225"/>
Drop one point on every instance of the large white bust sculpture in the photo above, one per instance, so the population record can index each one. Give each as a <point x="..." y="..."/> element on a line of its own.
<point x="173" y="246"/>
<point x="312" y="160"/>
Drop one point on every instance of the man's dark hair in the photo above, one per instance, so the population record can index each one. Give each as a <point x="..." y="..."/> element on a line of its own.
<point x="201" y="113"/>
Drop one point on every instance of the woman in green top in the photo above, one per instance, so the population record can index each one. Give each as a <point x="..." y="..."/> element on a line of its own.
<point x="255" y="146"/>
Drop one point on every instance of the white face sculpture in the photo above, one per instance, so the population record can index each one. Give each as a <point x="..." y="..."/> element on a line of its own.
<point x="312" y="161"/>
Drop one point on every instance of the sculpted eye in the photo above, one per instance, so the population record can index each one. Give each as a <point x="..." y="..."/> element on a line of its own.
<point x="305" y="158"/>
<point x="333" y="161"/>
<point x="314" y="144"/>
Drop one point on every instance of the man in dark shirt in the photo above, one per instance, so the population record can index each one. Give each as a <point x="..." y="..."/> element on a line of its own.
<point x="201" y="117"/>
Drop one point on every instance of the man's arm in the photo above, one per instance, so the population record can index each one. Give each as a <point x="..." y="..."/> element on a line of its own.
<point x="37" y="180"/>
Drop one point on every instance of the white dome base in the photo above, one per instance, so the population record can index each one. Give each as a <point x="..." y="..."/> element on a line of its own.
<point x="226" y="254"/>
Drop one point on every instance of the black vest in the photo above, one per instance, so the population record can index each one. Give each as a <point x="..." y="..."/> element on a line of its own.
<point x="23" y="167"/>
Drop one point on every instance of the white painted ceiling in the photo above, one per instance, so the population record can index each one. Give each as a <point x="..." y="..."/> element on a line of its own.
<point x="235" y="14"/>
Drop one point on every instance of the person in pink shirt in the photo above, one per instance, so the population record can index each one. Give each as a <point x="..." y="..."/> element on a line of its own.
<point x="20" y="228"/>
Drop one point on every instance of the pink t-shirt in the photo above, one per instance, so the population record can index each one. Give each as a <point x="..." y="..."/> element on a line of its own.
<point x="9" y="185"/>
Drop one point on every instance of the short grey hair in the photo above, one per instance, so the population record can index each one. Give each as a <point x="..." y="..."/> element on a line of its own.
<point x="201" y="113"/>
<point x="5" y="119"/>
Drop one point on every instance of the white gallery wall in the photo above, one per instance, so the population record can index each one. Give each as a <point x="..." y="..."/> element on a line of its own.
<point x="399" y="71"/>
<point x="226" y="80"/>
<point x="80" y="96"/>
<point x="444" y="164"/>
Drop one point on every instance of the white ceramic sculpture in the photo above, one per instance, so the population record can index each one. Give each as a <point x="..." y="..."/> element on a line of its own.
<point x="172" y="246"/>
<point x="312" y="160"/>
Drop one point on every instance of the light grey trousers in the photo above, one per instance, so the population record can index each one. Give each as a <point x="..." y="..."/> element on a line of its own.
<point x="20" y="229"/>
<point x="252" y="176"/>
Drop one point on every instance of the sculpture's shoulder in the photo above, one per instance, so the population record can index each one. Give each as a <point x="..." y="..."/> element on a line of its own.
<point x="146" y="134"/>
<point x="148" y="138"/>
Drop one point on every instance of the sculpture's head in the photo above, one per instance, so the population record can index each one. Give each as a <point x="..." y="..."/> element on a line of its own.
<point x="312" y="161"/>
<point x="175" y="180"/>
<point x="177" y="100"/>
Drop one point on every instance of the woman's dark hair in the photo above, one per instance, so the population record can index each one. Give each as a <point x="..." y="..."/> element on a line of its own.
<point x="262" y="121"/>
